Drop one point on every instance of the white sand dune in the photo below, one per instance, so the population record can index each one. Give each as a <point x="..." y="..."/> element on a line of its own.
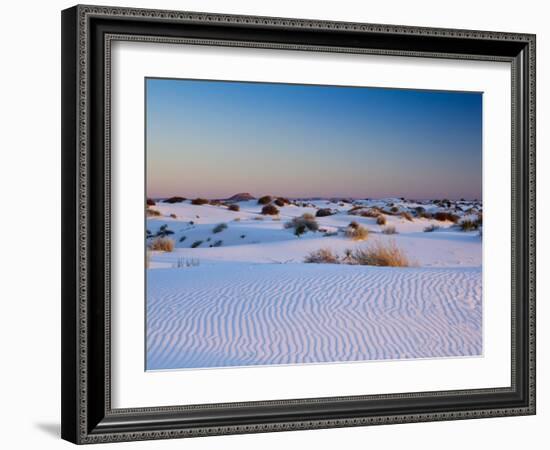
<point x="238" y="314"/>
<point x="244" y="296"/>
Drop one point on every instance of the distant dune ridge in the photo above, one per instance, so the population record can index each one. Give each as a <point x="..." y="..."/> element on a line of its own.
<point x="235" y="289"/>
<point x="241" y="197"/>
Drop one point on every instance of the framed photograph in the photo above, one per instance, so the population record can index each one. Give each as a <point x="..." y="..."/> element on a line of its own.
<point x="279" y="224"/>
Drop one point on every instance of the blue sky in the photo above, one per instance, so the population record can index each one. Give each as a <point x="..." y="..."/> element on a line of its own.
<point x="215" y="138"/>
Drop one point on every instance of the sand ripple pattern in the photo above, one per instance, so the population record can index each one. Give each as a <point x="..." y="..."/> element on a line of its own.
<point x="268" y="314"/>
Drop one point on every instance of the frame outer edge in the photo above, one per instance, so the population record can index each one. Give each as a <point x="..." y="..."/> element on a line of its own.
<point x="75" y="219"/>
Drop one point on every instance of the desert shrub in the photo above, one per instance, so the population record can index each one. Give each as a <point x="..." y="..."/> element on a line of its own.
<point x="468" y="225"/>
<point x="426" y="215"/>
<point x="381" y="220"/>
<point x="479" y="220"/>
<point x="390" y="229"/>
<point x="356" y="232"/>
<point x="322" y="256"/>
<point x="175" y="199"/>
<point x="163" y="231"/>
<point x="270" y="210"/>
<point x="152" y="212"/>
<point x="330" y="233"/>
<point x="394" y="209"/>
<point x="173" y="216"/>
<point x="234" y="207"/>
<point x="148" y="234"/>
<point x="264" y="200"/>
<point x="354" y="209"/>
<point x="323" y="212"/>
<point x="306" y="222"/>
<point x="243" y="236"/>
<point x="419" y="210"/>
<point x="183" y="238"/>
<point x="258" y="218"/>
<point x="217" y="243"/>
<point x="219" y="228"/>
<point x="150" y="202"/>
<point x="162" y="244"/>
<point x="407" y="216"/>
<point x="196" y="244"/>
<point x="382" y="255"/>
<point x="445" y="216"/>
<point x="431" y="228"/>
<point x="300" y="229"/>
<point x="199" y="201"/>
<point x="281" y="201"/>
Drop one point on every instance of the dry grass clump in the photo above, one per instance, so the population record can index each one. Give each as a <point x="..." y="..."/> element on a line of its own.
<point x="356" y="232"/>
<point x="175" y="199"/>
<point x="382" y="255"/>
<point x="324" y="212"/>
<point x="431" y="228"/>
<point x="322" y="256"/>
<point x="150" y="202"/>
<point x="390" y="229"/>
<point x="469" y="225"/>
<point x="199" y="201"/>
<point x="270" y="210"/>
<point x="445" y="216"/>
<point x="152" y="212"/>
<point x="234" y="207"/>
<point x="162" y="244"/>
<point x="264" y="200"/>
<point x="407" y="215"/>
<point x="378" y="254"/>
<point x="381" y="220"/>
<point x="219" y="228"/>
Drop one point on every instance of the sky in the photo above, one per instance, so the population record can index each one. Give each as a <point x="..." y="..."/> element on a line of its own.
<point x="214" y="139"/>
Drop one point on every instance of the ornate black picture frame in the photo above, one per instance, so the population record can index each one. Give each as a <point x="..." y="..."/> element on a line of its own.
<point x="87" y="34"/>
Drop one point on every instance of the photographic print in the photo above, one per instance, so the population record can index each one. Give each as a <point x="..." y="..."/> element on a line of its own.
<point x="299" y="224"/>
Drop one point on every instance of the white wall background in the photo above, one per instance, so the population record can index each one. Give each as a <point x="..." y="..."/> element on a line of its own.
<point x="30" y="229"/>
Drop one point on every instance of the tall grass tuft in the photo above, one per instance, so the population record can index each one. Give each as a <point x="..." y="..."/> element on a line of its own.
<point x="382" y="255"/>
<point x="162" y="244"/>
